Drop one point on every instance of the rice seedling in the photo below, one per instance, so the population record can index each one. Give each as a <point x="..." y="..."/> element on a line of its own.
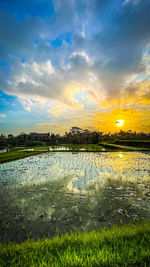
<point x="98" y="184"/>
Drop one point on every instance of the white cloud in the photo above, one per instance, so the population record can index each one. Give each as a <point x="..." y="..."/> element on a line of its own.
<point x="42" y="83"/>
<point x="2" y="115"/>
<point x="81" y="54"/>
<point x="134" y="2"/>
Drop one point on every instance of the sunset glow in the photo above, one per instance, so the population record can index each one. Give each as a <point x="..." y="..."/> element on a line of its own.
<point x="89" y="69"/>
<point x="120" y="123"/>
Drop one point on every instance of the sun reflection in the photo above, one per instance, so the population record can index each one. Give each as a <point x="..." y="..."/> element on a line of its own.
<point x="120" y="155"/>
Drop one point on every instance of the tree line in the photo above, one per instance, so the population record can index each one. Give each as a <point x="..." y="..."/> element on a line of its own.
<point x="68" y="138"/>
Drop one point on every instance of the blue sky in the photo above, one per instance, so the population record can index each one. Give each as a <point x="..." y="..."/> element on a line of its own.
<point x="70" y="63"/>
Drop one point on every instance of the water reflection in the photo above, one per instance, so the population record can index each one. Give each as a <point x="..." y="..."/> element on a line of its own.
<point x="67" y="191"/>
<point x="82" y="167"/>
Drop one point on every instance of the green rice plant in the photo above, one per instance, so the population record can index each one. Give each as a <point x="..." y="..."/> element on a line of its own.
<point x="33" y="211"/>
<point x="95" y="223"/>
<point x="21" y="211"/>
<point x="23" y="227"/>
<point x="6" y="226"/>
<point x="16" y="217"/>
<point x="80" y="219"/>
<point x="66" y="204"/>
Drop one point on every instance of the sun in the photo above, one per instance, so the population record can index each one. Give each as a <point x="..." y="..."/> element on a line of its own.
<point x="120" y="123"/>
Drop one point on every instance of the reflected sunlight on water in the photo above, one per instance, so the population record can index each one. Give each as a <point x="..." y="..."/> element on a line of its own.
<point x="84" y="168"/>
<point x="120" y="155"/>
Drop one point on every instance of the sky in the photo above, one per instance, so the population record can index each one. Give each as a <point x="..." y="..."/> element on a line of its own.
<point x="67" y="63"/>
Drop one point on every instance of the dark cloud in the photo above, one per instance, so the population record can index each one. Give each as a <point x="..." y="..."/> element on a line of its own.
<point x="122" y="41"/>
<point x="16" y="38"/>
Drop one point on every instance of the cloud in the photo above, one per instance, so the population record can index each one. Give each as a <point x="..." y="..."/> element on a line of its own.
<point x="121" y="42"/>
<point x="2" y="115"/>
<point x="16" y="38"/>
<point x="41" y="82"/>
<point x="134" y="2"/>
<point x="96" y="54"/>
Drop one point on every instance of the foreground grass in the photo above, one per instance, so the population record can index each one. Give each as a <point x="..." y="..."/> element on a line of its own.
<point x="127" y="245"/>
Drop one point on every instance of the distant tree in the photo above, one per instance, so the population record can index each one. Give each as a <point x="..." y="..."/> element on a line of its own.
<point x="3" y="140"/>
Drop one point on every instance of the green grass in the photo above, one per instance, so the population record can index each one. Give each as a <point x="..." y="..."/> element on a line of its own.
<point x="137" y="143"/>
<point x="127" y="245"/>
<point x="17" y="154"/>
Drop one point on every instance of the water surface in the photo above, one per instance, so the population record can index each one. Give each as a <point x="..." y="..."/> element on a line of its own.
<point x="52" y="193"/>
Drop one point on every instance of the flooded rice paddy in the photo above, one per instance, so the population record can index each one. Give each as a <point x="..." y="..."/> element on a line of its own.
<point x="52" y="193"/>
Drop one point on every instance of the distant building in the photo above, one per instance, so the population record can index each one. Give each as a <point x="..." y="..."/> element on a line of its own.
<point x="22" y="133"/>
<point x="75" y="130"/>
<point x="10" y="136"/>
<point x="40" y="136"/>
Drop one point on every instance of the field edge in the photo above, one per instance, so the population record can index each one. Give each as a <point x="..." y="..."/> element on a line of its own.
<point x="126" y="245"/>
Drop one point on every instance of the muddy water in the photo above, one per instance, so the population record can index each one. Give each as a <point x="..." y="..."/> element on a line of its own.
<point x="53" y="193"/>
